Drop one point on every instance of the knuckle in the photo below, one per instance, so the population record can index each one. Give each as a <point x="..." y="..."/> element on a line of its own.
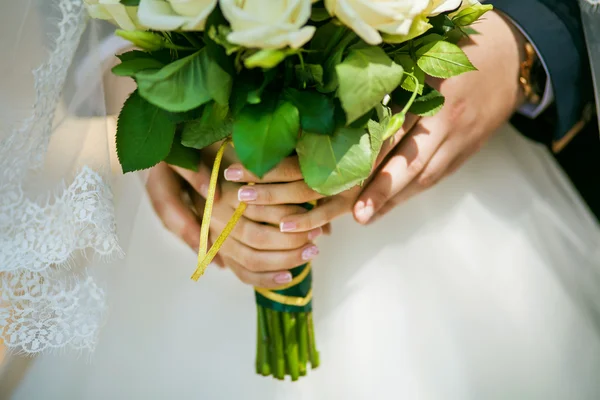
<point x="426" y="181"/>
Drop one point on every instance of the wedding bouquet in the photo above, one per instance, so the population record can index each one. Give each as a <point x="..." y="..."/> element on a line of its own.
<point x="278" y="77"/>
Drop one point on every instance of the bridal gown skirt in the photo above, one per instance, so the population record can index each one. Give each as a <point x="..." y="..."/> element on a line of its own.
<point x="485" y="287"/>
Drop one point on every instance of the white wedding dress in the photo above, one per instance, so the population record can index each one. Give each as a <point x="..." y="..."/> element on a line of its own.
<point x="485" y="287"/>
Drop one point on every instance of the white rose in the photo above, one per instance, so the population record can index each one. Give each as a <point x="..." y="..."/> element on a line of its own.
<point x="370" y="17"/>
<point x="268" y="24"/>
<point x="171" y="15"/>
<point x="442" y="6"/>
<point x="113" y="11"/>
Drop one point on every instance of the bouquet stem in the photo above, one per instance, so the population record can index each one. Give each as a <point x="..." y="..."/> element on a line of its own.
<point x="286" y="338"/>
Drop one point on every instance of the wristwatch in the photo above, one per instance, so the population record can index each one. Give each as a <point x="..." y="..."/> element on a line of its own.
<point x="532" y="75"/>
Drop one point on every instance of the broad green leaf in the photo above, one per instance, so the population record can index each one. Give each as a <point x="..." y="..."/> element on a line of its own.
<point x="410" y="68"/>
<point x="182" y="156"/>
<point x="215" y="124"/>
<point x="419" y="26"/>
<point x="186" y="83"/>
<point x="144" y="134"/>
<point x="132" y="67"/>
<point x="133" y="54"/>
<point x="266" y="133"/>
<point x="309" y="74"/>
<point x="316" y="110"/>
<point x="365" y="77"/>
<point x="443" y="60"/>
<point x="471" y="14"/>
<point x="333" y="164"/>
<point x="130" y="3"/>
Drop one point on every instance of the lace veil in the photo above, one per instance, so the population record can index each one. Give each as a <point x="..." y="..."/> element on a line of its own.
<point x="57" y="214"/>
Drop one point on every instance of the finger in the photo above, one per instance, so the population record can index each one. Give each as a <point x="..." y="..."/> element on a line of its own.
<point x="272" y="194"/>
<point x="267" y="280"/>
<point x="268" y="214"/>
<point x="405" y="163"/>
<point x="318" y="217"/>
<point x="327" y="230"/>
<point x="164" y="190"/>
<point x="286" y="171"/>
<point x="390" y="144"/>
<point x="268" y="261"/>
<point x="262" y="236"/>
<point x="199" y="180"/>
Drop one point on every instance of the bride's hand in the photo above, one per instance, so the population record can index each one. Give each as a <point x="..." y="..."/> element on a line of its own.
<point x="257" y="252"/>
<point x="286" y="186"/>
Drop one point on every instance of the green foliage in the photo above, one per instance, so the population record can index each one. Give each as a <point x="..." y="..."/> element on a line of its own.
<point x="442" y="59"/>
<point x="471" y="14"/>
<point x="365" y="77"/>
<point x="266" y="133"/>
<point x="144" y="134"/>
<point x="333" y="164"/>
<point x="316" y="110"/>
<point x="182" y="156"/>
<point x="213" y="125"/>
<point x="186" y="83"/>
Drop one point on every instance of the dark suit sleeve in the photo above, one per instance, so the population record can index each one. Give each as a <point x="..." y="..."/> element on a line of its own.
<point x="555" y="28"/>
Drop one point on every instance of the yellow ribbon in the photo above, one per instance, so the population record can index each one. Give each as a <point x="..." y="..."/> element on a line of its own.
<point x="206" y="256"/>
<point x="296" y="280"/>
<point x="287" y="300"/>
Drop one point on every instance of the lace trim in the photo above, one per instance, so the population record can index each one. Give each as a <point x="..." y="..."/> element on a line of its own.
<point x="39" y="308"/>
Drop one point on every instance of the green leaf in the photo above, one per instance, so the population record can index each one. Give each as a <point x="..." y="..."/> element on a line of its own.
<point x="330" y="78"/>
<point x="365" y="77"/>
<point x="333" y="164"/>
<point x="428" y="104"/>
<point x="316" y="110"/>
<point x="309" y="74"/>
<point x="182" y="156"/>
<point x="319" y="14"/>
<point x="215" y="50"/>
<point x="186" y="83"/>
<point x="425" y="105"/>
<point x="215" y="124"/>
<point x="471" y="14"/>
<point x="132" y="67"/>
<point x="133" y="54"/>
<point x="266" y="133"/>
<point x="443" y="60"/>
<point x="144" y="134"/>
<point x="268" y="58"/>
<point x="411" y="68"/>
<point x="130" y="3"/>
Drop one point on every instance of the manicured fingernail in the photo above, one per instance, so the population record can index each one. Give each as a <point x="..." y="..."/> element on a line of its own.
<point x="204" y="190"/>
<point x="283" y="277"/>
<point x="310" y="252"/>
<point x="233" y="174"/>
<point x="364" y="212"/>
<point x="315" y="233"/>
<point x="247" y="194"/>
<point x="288" y="226"/>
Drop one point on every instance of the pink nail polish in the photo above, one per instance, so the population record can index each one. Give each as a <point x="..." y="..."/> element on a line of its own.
<point x="310" y="252"/>
<point x="283" y="277"/>
<point x="288" y="226"/>
<point x="364" y="211"/>
<point x="247" y="194"/>
<point x="233" y="174"/>
<point x="315" y="233"/>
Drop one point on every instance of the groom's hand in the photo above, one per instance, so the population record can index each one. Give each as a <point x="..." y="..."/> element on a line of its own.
<point x="477" y="104"/>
